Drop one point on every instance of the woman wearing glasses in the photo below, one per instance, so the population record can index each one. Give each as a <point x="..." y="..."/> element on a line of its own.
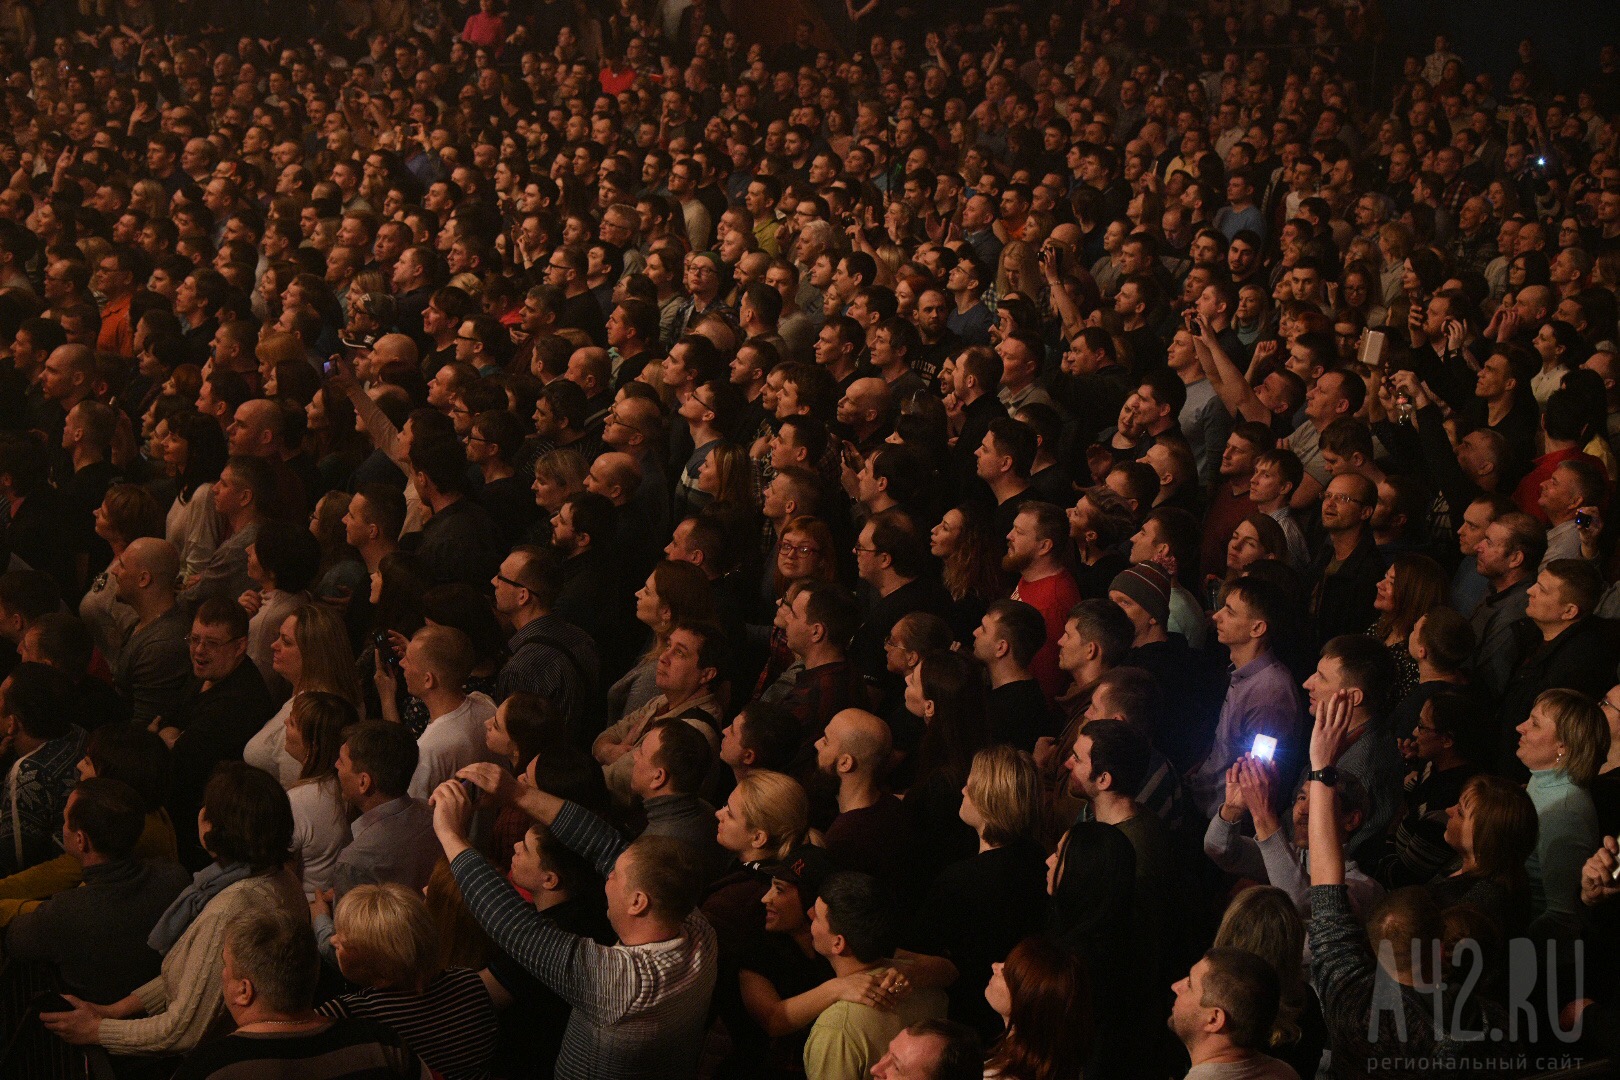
<point x="804" y="553"/>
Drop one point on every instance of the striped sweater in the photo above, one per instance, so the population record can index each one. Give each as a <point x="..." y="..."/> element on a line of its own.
<point x="639" y="1012"/>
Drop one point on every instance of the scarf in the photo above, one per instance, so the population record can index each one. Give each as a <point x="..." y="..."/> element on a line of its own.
<point x="206" y="884"/>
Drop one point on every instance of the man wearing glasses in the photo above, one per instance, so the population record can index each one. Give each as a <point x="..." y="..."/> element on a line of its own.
<point x="1345" y="576"/>
<point x="115" y="278"/>
<point x="566" y="270"/>
<point x="223" y="705"/>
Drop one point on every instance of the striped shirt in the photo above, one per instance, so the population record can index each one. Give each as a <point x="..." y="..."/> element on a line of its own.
<point x="639" y="1011"/>
<point x="450" y="1025"/>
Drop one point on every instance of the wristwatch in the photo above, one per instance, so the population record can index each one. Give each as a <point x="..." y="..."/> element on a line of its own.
<point x="1328" y="776"/>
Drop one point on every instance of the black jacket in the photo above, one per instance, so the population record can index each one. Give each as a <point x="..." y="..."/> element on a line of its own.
<point x="1342" y="602"/>
<point x="1581" y="658"/>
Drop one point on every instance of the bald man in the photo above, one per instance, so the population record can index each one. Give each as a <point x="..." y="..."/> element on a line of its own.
<point x="392" y="348"/>
<point x="435" y="668"/>
<point x="153" y="667"/>
<point x="616" y="476"/>
<point x="867" y="409"/>
<point x="871" y="832"/>
<point x="259" y="430"/>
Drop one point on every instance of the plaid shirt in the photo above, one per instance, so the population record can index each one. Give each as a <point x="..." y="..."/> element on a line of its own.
<point x="639" y="1011"/>
<point x="538" y="666"/>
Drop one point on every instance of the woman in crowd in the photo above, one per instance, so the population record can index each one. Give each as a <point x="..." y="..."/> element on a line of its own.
<point x="387" y="945"/>
<point x="982" y="906"/>
<point x="727" y="477"/>
<point x="194" y="455"/>
<point x="1562" y="744"/>
<point x="311" y="652"/>
<point x="1263" y="920"/>
<point x="315" y="726"/>
<point x="805" y="552"/>
<point x="282" y="561"/>
<point x="765" y="818"/>
<point x="674" y="592"/>
<point x="341" y="578"/>
<point x="246" y="827"/>
<point x="334" y="442"/>
<point x="970" y="553"/>
<point x="1561" y="349"/>
<point x="527" y="731"/>
<point x="557" y="475"/>
<point x="1493" y="830"/>
<point x="127" y="513"/>
<point x="1410" y="587"/>
<point x="1040" y="995"/>
<point x="946" y="692"/>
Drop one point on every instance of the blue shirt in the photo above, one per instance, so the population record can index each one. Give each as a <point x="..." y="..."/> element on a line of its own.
<point x="1262" y="699"/>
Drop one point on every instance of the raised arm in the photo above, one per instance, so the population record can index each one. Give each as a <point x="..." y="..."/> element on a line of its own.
<point x="1229" y="383"/>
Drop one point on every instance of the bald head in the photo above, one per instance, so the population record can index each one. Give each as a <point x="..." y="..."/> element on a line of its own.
<point x="153" y="564"/>
<point x="863" y="737"/>
<point x="392" y="347"/>
<point x="870" y="397"/>
<point x="614" y="475"/>
<point x="257" y="429"/>
<point x="445" y="653"/>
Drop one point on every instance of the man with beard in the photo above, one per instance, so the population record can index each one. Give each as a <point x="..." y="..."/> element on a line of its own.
<point x="1037" y="550"/>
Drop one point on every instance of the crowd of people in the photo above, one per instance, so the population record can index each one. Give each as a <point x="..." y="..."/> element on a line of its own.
<point x="554" y="539"/>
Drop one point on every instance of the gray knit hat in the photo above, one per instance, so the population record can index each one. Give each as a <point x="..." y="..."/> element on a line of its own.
<point x="1149" y="587"/>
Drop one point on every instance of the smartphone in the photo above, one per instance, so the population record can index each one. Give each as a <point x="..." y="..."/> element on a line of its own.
<point x="1264" y="748"/>
<point x="472" y="789"/>
<point x="385" y="647"/>
<point x="51" y="1003"/>
<point x="1583" y="520"/>
<point x="1372" y="348"/>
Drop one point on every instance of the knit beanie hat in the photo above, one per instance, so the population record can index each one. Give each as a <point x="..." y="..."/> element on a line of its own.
<point x="1149" y="587"/>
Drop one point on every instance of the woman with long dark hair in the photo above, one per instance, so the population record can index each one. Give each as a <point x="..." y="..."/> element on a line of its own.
<point x="194" y="456"/>
<point x="946" y="691"/>
<point x="970" y="552"/>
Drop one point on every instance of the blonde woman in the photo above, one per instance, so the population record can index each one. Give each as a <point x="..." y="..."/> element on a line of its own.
<point x="1563" y="743"/>
<point x="557" y="475"/>
<point x="766" y="817"/>
<point x="387" y="944"/>
<point x="1263" y="920"/>
<point x="311" y="652"/>
<point x="982" y="906"/>
<point x="1019" y="271"/>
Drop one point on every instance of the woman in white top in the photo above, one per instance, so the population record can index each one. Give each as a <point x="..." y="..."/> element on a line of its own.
<point x="283" y="561"/>
<point x="194" y="452"/>
<point x="314" y="734"/>
<point x="312" y="653"/>
<point x="127" y="513"/>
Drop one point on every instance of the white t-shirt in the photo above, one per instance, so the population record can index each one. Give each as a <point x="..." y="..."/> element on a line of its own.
<point x="453" y="741"/>
<point x="320" y="830"/>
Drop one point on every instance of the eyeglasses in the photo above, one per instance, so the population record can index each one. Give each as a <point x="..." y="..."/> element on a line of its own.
<point x="1341" y="497"/>
<point x="504" y="580"/>
<point x="864" y="550"/>
<point x="203" y="644"/>
<point x="802" y="550"/>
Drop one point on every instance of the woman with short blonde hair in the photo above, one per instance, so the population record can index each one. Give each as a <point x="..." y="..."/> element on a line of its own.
<point x="387" y="942"/>
<point x="1562" y="743"/>
<point x="1004" y="788"/>
<point x="774" y="813"/>
<point x="982" y="906"/>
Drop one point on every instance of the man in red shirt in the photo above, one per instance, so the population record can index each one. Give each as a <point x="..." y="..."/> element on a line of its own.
<point x="1037" y="550"/>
